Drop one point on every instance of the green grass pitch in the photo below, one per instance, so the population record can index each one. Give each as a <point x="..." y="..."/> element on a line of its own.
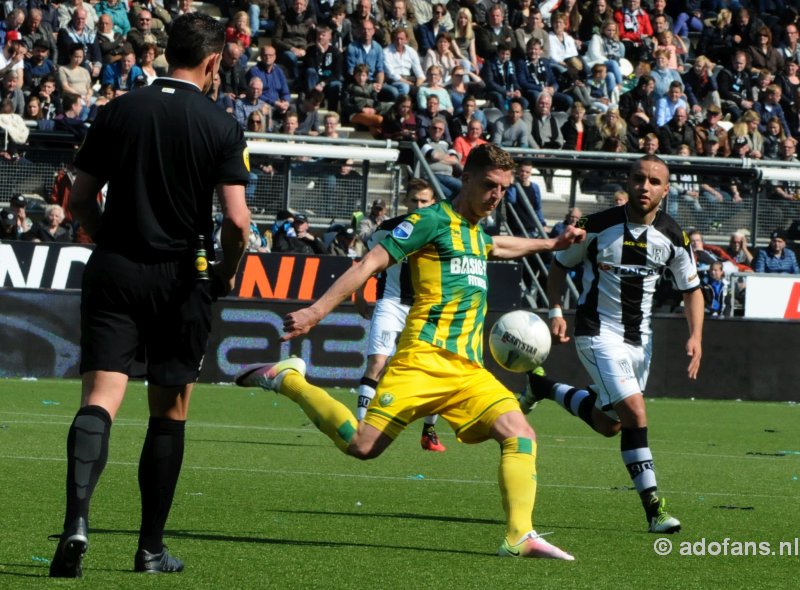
<point x="266" y="501"/>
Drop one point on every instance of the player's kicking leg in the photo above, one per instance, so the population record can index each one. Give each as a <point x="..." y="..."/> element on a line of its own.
<point x="331" y="417"/>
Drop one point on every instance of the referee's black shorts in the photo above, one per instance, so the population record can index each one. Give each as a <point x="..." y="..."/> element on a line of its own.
<point x="159" y="308"/>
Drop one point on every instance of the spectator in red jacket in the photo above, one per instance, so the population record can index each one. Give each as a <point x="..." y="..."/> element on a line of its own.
<point x="635" y="30"/>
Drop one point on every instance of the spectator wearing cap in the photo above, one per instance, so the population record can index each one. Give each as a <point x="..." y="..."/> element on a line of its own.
<point x="346" y="243"/>
<point x="776" y="258"/>
<point x="369" y="223"/>
<point x="17" y="206"/>
<point x="122" y="74"/>
<point x="8" y="226"/>
<point x="710" y="126"/>
<point x="299" y="241"/>
<point x="37" y="66"/>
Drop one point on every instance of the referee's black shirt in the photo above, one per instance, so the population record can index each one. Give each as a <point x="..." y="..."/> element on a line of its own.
<point x="162" y="150"/>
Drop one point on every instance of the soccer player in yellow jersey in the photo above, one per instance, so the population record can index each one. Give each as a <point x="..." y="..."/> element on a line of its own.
<point x="438" y="366"/>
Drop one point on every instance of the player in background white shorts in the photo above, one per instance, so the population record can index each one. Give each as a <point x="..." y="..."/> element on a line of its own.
<point x="389" y="315"/>
<point x="625" y="252"/>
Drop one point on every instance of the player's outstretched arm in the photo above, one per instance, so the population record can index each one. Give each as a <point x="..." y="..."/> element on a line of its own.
<point x="556" y="285"/>
<point x="510" y="247"/>
<point x="301" y="321"/>
<point x="694" y="307"/>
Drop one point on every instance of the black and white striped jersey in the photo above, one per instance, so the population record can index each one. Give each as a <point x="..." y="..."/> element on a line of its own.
<point x="395" y="281"/>
<point x="622" y="262"/>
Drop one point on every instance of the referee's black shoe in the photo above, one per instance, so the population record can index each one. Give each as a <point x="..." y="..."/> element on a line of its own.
<point x="72" y="544"/>
<point x="156" y="563"/>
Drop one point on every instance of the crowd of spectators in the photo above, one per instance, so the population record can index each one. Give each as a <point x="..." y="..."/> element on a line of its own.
<point x="716" y="78"/>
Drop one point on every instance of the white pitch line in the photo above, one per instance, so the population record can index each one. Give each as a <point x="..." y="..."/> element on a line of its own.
<point x="737" y="494"/>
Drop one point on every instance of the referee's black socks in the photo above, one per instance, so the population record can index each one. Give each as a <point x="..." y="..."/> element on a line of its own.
<point x="159" y="468"/>
<point x="87" y="453"/>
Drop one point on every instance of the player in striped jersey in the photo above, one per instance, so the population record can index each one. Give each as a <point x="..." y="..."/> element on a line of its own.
<point x="625" y="251"/>
<point x="395" y="294"/>
<point x="438" y="365"/>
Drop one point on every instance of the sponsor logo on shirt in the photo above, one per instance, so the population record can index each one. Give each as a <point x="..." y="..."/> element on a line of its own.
<point x="629" y="271"/>
<point x="403" y="231"/>
<point x="474" y="268"/>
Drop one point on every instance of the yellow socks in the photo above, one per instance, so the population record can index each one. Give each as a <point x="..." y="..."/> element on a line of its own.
<point x="517" y="476"/>
<point x="330" y="416"/>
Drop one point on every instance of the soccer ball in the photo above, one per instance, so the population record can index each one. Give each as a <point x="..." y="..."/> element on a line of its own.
<point x="520" y="341"/>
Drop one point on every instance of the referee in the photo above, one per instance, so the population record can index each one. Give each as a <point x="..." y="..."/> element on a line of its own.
<point x="162" y="150"/>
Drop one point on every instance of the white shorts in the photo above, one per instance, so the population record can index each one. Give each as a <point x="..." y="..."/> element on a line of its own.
<point x="388" y="320"/>
<point x="618" y="369"/>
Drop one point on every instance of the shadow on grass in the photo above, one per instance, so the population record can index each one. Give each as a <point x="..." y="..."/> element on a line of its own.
<point x="401" y="515"/>
<point x="39" y="570"/>
<point x="254" y="442"/>
<point x="220" y="537"/>
<point x="541" y="526"/>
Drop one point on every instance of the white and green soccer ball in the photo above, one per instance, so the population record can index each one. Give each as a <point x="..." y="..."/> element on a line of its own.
<point x="520" y="341"/>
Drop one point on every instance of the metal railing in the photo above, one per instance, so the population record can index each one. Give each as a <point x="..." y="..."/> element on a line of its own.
<point x="589" y="179"/>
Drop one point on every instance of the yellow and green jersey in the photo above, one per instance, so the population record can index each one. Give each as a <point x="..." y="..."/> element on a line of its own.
<point x="447" y="259"/>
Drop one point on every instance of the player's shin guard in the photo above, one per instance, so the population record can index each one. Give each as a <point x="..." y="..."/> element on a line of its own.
<point x="639" y="461"/>
<point x="330" y="416"/>
<point x="159" y="468"/>
<point x="578" y="402"/>
<point x="366" y="391"/>
<point x="87" y="453"/>
<point x="517" y="476"/>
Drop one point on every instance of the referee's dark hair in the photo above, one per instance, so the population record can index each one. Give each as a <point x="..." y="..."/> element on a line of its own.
<point x="193" y="37"/>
